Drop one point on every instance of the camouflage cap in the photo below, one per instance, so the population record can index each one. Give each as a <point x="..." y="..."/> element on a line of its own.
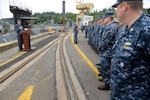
<point x="120" y="1"/>
<point x="102" y="17"/>
<point x="109" y="14"/>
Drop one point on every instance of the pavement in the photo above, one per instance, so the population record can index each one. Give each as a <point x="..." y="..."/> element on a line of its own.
<point x="9" y="50"/>
<point x="82" y="57"/>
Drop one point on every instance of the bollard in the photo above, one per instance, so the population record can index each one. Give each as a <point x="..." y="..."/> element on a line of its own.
<point x="50" y="29"/>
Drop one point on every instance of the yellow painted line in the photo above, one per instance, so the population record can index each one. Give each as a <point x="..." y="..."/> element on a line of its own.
<point x="13" y="58"/>
<point x="27" y="94"/>
<point x="5" y="44"/>
<point x="91" y="65"/>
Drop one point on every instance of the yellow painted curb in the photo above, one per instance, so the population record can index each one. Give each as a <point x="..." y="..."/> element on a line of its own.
<point x="27" y="94"/>
<point x="91" y="65"/>
<point x="13" y="58"/>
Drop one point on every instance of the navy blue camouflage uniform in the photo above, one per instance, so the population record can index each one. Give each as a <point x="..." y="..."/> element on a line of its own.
<point x="97" y="36"/>
<point x="101" y="30"/>
<point x="86" y="30"/>
<point x="94" y="36"/>
<point x="120" y="29"/>
<point x="75" y="30"/>
<point x="106" y="44"/>
<point x="130" y="78"/>
<point x="90" y="33"/>
<point x="19" y="29"/>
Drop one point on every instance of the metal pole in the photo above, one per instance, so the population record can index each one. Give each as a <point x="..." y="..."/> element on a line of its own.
<point x="1" y="14"/>
<point x="63" y="13"/>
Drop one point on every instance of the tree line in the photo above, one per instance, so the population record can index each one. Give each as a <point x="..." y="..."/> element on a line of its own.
<point x="45" y="17"/>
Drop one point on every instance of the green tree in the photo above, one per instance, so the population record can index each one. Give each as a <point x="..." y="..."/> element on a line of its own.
<point x="148" y="10"/>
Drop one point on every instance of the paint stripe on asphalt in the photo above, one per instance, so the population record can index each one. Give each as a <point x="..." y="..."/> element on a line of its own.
<point x="27" y="94"/>
<point x="13" y="58"/>
<point x="91" y="65"/>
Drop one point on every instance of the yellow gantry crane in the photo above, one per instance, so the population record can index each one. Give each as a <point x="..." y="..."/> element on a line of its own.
<point x="83" y="7"/>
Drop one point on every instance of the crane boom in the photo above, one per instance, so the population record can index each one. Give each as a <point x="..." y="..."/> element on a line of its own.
<point x="83" y="7"/>
<point x="81" y="1"/>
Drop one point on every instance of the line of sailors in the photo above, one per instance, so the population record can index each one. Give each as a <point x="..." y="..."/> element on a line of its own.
<point x="102" y="35"/>
<point x="124" y="51"/>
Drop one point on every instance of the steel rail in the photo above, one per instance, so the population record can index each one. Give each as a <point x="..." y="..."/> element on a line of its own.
<point x="70" y="89"/>
<point x="32" y="57"/>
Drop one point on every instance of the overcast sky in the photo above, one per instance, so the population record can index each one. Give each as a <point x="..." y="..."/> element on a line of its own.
<point x="55" y="5"/>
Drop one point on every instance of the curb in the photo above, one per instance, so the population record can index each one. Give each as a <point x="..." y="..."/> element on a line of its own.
<point x="8" y="45"/>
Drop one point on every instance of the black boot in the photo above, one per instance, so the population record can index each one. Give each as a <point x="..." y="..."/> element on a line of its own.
<point x="104" y="87"/>
<point x="98" y="64"/>
<point x="98" y="68"/>
<point x="99" y="74"/>
<point x="100" y="79"/>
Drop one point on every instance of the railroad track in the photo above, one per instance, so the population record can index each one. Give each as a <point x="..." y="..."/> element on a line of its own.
<point x="72" y="88"/>
<point x="15" y="68"/>
<point x="69" y="86"/>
